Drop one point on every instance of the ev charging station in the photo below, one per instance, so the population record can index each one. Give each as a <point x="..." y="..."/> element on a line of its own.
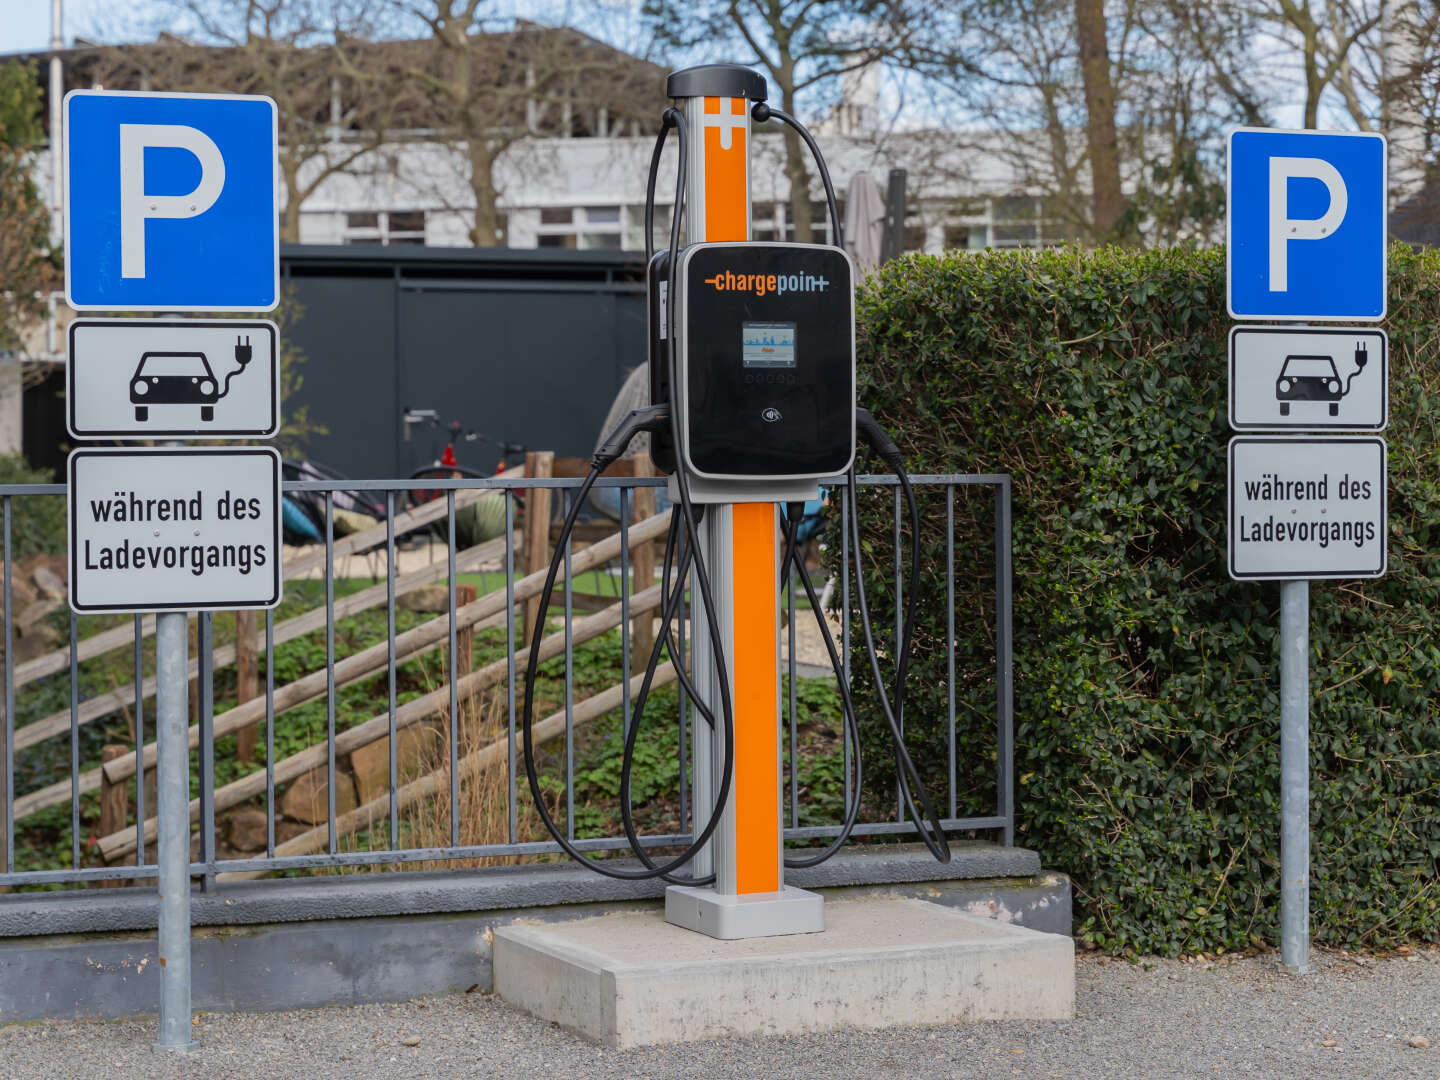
<point x="753" y="404"/>
<point x="753" y="434"/>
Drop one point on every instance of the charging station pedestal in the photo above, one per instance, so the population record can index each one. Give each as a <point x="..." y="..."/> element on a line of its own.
<point x="763" y="307"/>
<point x="763" y="403"/>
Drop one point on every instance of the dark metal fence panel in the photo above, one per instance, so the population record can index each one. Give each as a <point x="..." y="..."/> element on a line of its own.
<point x="527" y="347"/>
<point x="57" y="697"/>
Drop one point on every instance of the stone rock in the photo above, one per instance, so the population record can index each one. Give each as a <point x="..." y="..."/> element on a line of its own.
<point x="40" y="639"/>
<point x="410" y="1040"/>
<point x="247" y="830"/>
<point x="288" y="830"/>
<point x="34" y="613"/>
<point x="22" y="592"/>
<point x="419" y="748"/>
<point x="1419" y="1042"/>
<point x="50" y="584"/>
<point x="429" y="599"/>
<point x="307" y="798"/>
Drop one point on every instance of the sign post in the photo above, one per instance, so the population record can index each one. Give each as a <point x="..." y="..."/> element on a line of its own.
<point x="170" y="206"/>
<point x="1306" y="241"/>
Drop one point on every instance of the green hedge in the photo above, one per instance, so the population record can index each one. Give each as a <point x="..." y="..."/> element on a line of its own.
<point x="1147" y="715"/>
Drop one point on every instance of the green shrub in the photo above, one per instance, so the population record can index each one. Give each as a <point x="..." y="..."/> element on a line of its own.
<point x="37" y="522"/>
<point x="1146" y="681"/>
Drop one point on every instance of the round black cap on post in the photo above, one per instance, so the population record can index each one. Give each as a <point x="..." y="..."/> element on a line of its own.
<point x="716" y="80"/>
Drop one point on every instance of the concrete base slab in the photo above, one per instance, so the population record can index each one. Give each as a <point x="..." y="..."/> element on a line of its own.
<point x="790" y="911"/>
<point x="632" y="979"/>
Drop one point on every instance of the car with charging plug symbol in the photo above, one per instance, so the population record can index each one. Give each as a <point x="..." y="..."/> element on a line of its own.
<point x="182" y="378"/>
<point x="1314" y="378"/>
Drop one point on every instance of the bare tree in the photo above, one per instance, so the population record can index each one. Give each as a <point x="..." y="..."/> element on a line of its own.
<point x="804" y="46"/>
<point x="480" y="87"/>
<point x="1107" y="200"/>
<point x="335" y="97"/>
<point x="1107" y="111"/>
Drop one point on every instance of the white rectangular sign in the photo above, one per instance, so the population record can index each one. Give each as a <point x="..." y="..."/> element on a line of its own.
<point x="174" y="530"/>
<point x="1307" y="507"/>
<point x="1286" y="378"/>
<point x="158" y="378"/>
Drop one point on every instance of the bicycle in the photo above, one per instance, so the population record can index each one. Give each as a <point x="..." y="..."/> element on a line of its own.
<point x="448" y="467"/>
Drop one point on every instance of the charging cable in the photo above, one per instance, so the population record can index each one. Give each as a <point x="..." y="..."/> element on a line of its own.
<point x="612" y="446"/>
<point x="911" y="786"/>
<point x="244" y="353"/>
<point x="761" y="112"/>
<point x="1362" y="357"/>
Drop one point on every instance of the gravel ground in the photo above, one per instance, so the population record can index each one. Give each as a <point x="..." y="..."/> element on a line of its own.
<point x="1237" y="1017"/>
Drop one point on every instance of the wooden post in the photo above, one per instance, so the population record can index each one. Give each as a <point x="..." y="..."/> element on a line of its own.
<point x="465" y="656"/>
<point x="114" y="802"/>
<point x="536" y="551"/>
<point x="642" y="627"/>
<point x="247" y="682"/>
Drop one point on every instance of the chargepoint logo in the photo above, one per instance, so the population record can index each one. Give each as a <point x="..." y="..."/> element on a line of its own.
<point x="763" y="284"/>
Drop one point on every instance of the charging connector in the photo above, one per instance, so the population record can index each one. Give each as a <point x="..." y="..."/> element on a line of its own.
<point x="244" y="353"/>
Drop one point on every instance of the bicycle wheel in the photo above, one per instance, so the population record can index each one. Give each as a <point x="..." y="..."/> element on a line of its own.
<point x="419" y="495"/>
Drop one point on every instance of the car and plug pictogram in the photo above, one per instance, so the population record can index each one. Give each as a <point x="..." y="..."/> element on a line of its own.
<point x="183" y="378"/>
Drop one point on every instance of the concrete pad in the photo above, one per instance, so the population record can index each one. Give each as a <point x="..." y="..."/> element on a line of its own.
<point x="632" y="979"/>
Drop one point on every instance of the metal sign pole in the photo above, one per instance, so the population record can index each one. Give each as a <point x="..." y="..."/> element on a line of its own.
<point x="1295" y="777"/>
<point x="172" y="685"/>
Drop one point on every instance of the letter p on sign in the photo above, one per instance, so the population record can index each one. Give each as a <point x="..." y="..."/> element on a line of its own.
<point x="1306" y="225"/>
<point x="136" y="205"/>
<point x="170" y="202"/>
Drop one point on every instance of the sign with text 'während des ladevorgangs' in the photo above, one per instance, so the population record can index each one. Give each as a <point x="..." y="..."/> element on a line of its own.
<point x="174" y="530"/>
<point x="1306" y="507"/>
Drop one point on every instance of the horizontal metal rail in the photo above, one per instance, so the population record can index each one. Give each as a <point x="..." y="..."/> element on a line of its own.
<point x="33" y="858"/>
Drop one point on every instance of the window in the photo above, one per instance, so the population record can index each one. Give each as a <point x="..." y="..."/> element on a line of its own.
<point x="385" y="227"/>
<point x="635" y="228"/>
<point x="914" y="233"/>
<point x="964" y="237"/>
<point x="587" y="227"/>
<point x="764" y="221"/>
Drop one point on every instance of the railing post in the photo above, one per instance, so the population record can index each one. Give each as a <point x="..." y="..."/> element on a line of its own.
<point x="173" y="766"/>
<point x="1004" y="661"/>
<point x="206" y="677"/>
<point x="247" y="682"/>
<point x="536" y="555"/>
<point x="642" y="628"/>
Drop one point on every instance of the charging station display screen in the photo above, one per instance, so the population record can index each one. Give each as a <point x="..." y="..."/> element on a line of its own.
<point x="767" y="344"/>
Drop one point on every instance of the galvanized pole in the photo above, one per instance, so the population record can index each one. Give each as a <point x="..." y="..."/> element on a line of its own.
<point x="172" y="679"/>
<point x="1295" y="777"/>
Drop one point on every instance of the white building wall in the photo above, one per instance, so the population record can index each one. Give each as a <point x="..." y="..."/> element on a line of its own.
<point x="551" y="189"/>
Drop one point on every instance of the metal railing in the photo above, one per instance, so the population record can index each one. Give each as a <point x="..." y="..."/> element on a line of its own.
<point x="60" y="693"/>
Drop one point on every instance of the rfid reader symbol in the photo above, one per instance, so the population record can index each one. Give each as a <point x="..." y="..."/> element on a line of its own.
<point x="182" y="378"/>
<point x="1314" y="378"/>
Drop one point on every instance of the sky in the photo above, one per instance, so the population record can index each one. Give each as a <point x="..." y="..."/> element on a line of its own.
<point x="25" y="24"/>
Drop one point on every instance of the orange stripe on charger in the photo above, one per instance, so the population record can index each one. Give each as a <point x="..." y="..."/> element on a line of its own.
<point x="727" y="188"/>
<point x="755" y="602"/>
<point x="756" y="608"/>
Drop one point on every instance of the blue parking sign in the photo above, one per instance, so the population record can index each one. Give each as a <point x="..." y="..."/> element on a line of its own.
<point x="1306" y="225"/>
<point x="170" y="202"/>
